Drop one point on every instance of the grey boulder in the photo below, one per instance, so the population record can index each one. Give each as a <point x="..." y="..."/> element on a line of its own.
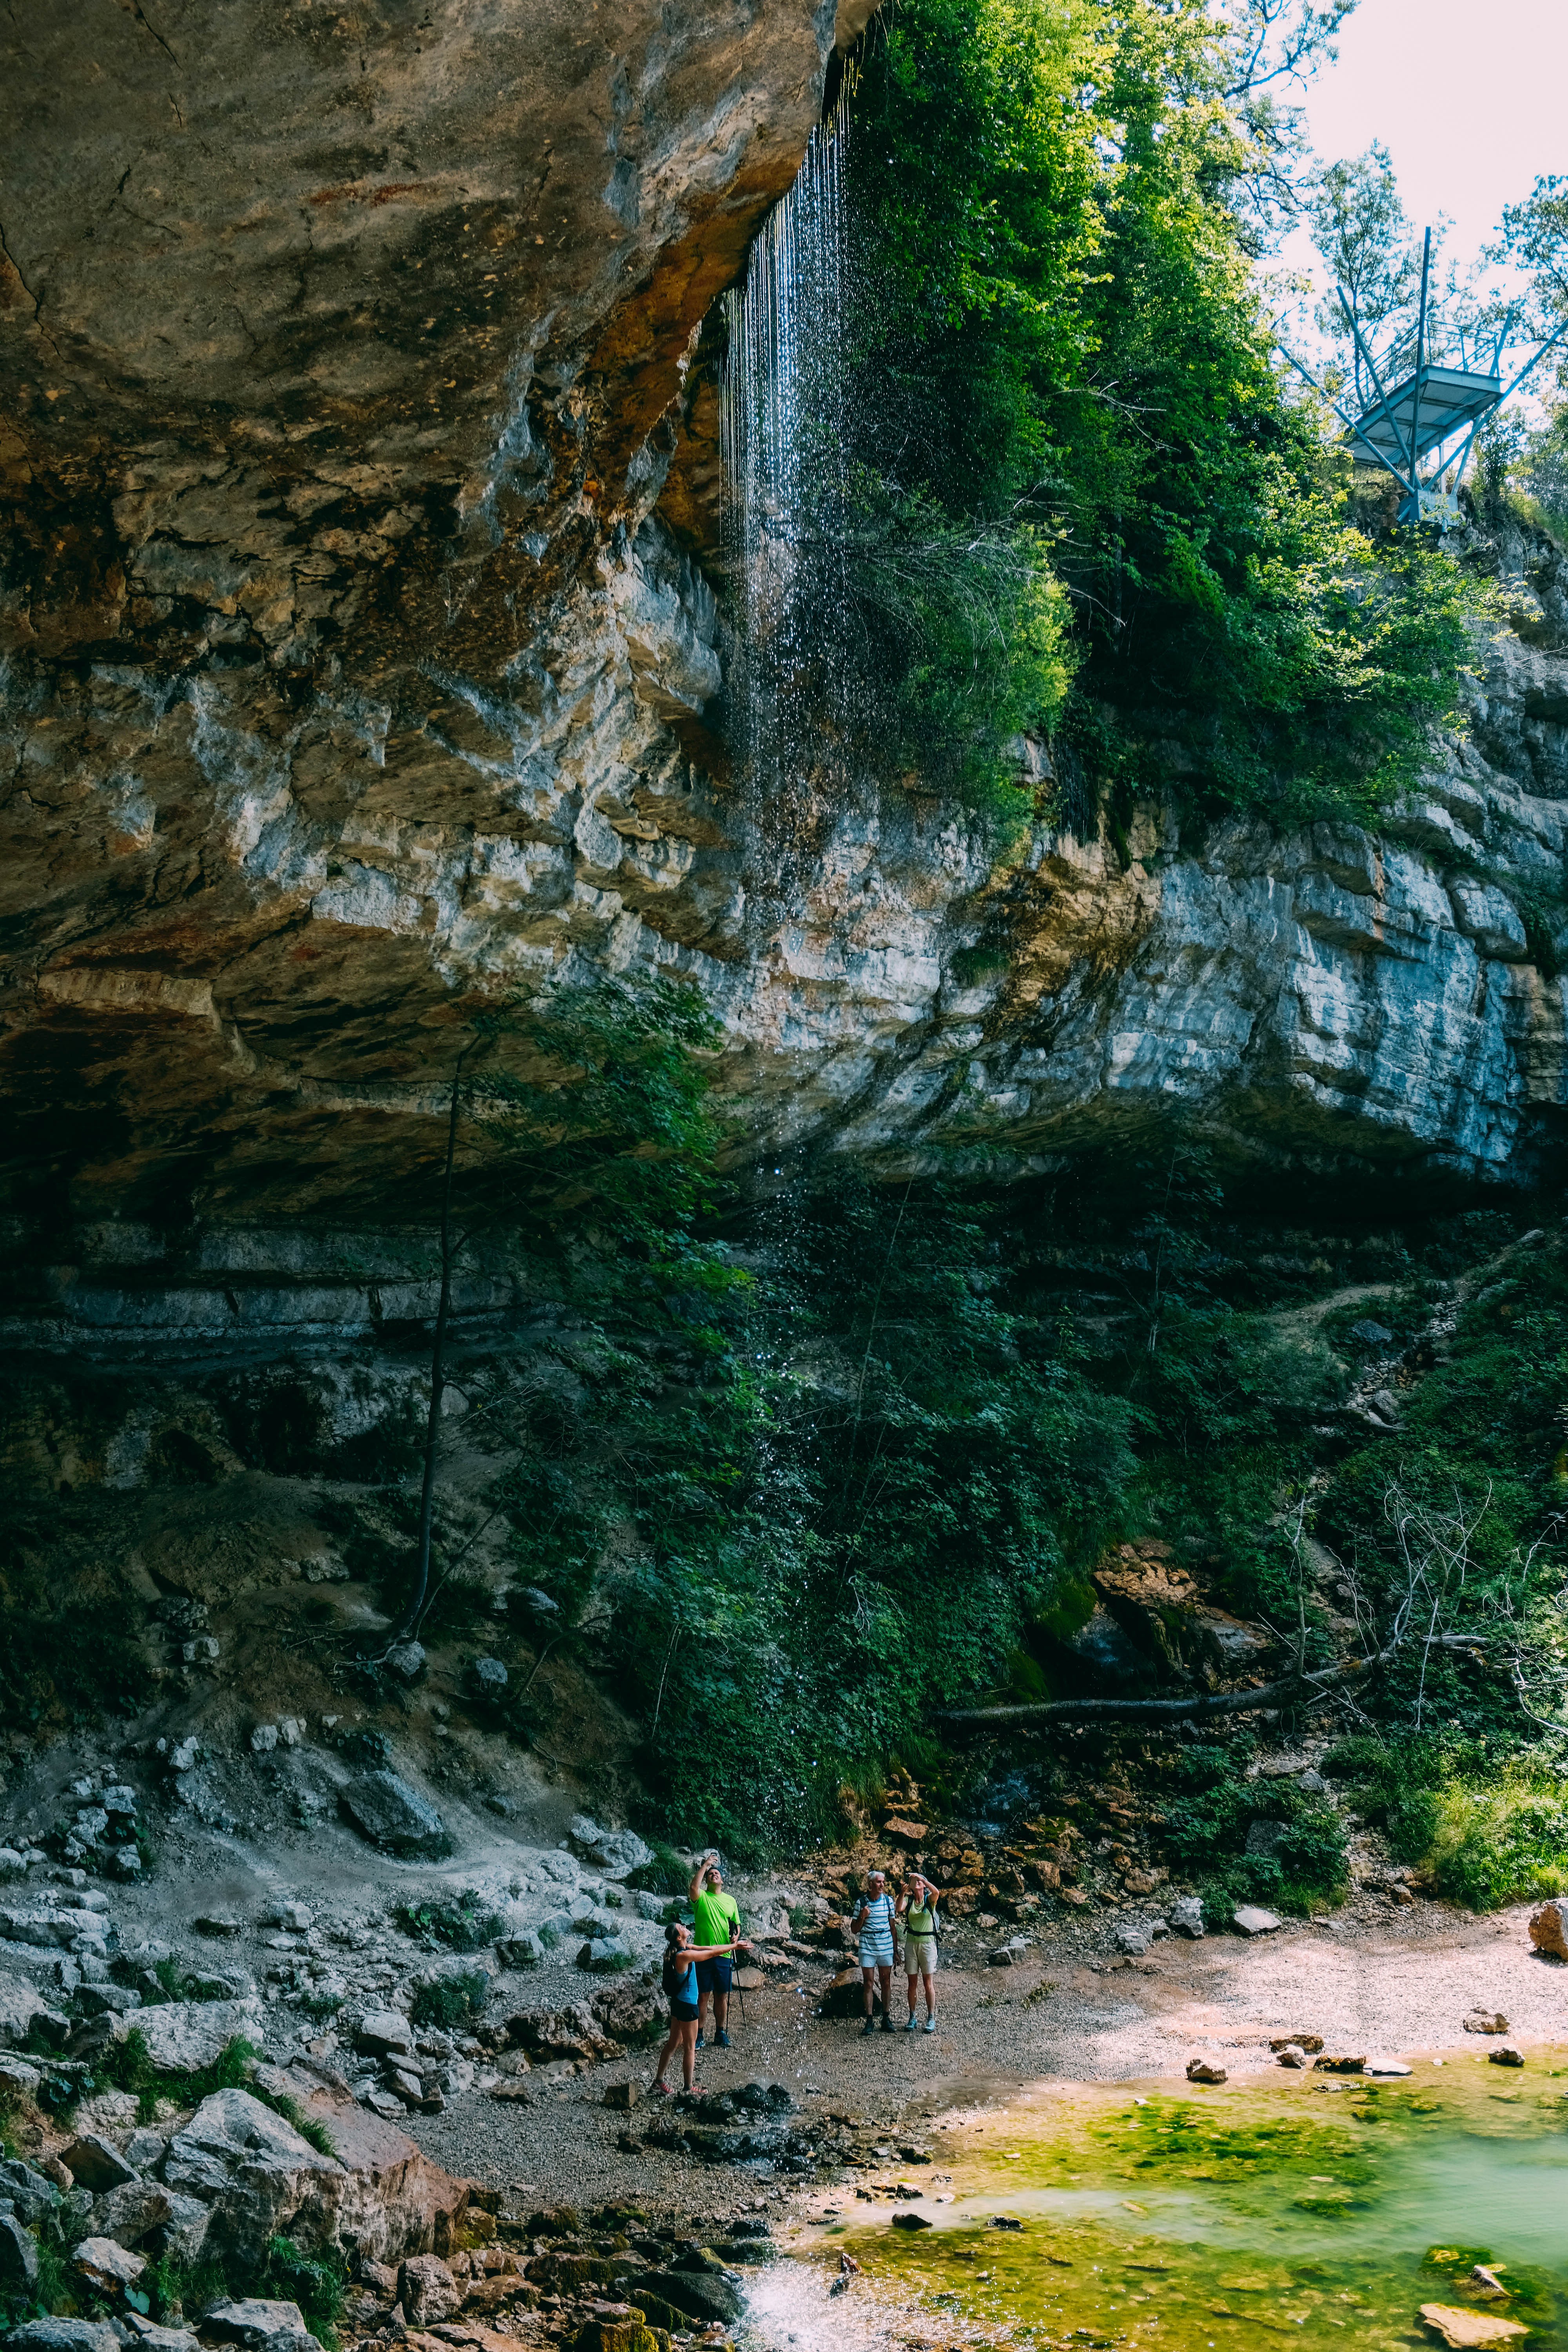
<point x="426" y="2290"/>
<point x="604" y="1953"/>
<point x="1187" y="1915"/>
<point x="384" y="2034"/>
<point x="63" y="2335"/>
<point x="94" y="2164"/>
<point x="255" y="2172"/>
<point x="1252" y="1920"/>
<point x="43" y="1928"/>
<point x="520" y="1951"/>
<point x="27" y="2193"/>
<point x="388" y="1813"/>
<point x="18" y="2256"/>
<point x="153" y="2338"/>
<point x="185" y="2036"/>
<point x="132" y="2211"/>
<point x="261" y="2325"/>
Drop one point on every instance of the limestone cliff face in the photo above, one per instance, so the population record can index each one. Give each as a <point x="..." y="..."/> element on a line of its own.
<point x="360" y="660"/>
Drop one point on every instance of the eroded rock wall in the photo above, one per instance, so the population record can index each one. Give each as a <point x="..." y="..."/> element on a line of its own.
<point x="361" y="660"/>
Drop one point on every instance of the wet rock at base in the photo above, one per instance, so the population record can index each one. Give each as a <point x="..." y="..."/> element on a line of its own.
<point x="1549" y="1929"/>
<point x="702" y="2299"/>
<point x="1507" y="2056"/>
<point x="752" y="2121"/>
<point x="913" y="2221"/>
<point x="1289" y="2055"/>
<point x="1463" y="2329"/>
<point x="1336" y="2063"/>
<point x="390" y="1814"/>
<point x="1206" y="2070"/>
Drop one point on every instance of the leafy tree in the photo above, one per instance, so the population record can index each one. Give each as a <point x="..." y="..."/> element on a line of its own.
<point x="1369" y="248"/>
<point x="1057" y="326"/>
<point x="587" y="1110"/>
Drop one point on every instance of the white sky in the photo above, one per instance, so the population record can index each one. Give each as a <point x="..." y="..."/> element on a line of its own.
<point x="1470" y="98"/>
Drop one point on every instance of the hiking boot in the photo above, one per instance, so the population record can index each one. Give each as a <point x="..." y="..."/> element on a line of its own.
<point x="870" y="2026"/>
<point x="887" y="2024"/>
<point x="931" y="2026"/>
<point x="910" y="2022"/>
<point x="721" y="2039"/>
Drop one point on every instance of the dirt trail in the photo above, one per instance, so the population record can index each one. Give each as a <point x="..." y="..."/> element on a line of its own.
<point x="1375" y="1983"/>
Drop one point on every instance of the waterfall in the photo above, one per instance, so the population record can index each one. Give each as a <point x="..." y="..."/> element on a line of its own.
<point x="781" y="437"/>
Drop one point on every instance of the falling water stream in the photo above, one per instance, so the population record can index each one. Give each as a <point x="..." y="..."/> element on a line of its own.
<point x="783" y="433"/>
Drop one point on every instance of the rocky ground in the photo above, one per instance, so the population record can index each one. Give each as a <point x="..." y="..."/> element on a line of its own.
<point x="467" y="2135"/>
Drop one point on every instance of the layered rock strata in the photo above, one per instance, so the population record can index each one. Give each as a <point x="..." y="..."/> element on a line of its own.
<point x="359" y="664"/>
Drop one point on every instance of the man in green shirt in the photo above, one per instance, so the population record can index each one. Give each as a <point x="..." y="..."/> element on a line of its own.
<point x="717" y="1922"/>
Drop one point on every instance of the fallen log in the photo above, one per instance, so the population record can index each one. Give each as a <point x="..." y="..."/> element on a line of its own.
<point x="1295" y="1689"/>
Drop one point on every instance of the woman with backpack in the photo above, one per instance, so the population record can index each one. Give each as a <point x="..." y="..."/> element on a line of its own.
<point x="917" y="1910"/>
<point x="874" y="1929"/>
<point x="680" y="1958"/>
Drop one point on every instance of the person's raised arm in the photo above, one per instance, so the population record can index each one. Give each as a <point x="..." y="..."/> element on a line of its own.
<point x="700" y="1873"/>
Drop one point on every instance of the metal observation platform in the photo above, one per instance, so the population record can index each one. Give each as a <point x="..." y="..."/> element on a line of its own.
<point x="1421" y="410"/>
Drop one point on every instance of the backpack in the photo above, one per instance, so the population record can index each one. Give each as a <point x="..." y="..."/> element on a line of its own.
<point x="675" y="1977"/>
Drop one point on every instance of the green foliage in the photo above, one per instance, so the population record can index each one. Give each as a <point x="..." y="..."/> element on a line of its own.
<point x="665" y="1875"/>
<point x="596" y="1103"/>
<point x="1058" y="327"/>
<point x="1486" y="1834"/>
<point x="826" y="1561"/>
<point x="456" y="1923"/>
<point x="965" y="631"/>
<point x="450" y="2001"/>
<point x="176" y="2288"/>
<point x="70" y="1647"/>
<point x="316" y="2282"/>
<point x="1304" y="1867"/>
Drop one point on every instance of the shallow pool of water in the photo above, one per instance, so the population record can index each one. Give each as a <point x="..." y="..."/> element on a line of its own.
<point x="1324" y="2213"/>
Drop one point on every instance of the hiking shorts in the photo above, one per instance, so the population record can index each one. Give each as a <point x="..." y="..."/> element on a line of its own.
<point x="920" y="1956"/>
<point x="876" y="1951"/>
<point x="716" y="1975"/>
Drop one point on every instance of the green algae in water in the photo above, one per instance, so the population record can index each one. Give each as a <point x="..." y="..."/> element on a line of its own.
<point x="1180" y="2223"/>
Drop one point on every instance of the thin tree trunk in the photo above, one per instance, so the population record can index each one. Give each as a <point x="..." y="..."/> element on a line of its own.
<point x="437" y="1363"/>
